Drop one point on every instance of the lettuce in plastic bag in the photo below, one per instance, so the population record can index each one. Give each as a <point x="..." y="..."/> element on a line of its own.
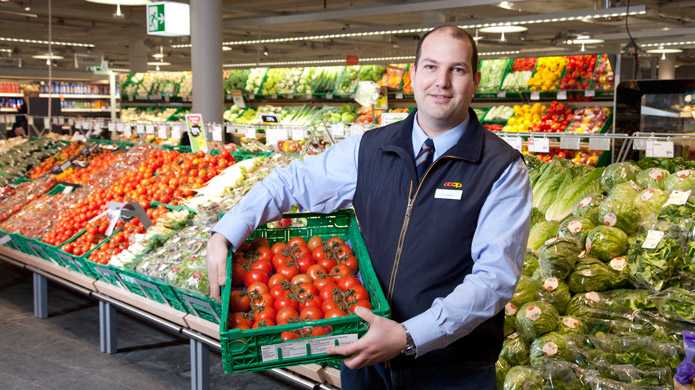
<point x="523" y="378"/>
<point x="515" y="349"/>
<point x="675" y="303"/>
<point x="627" y="190"/>
<point x="606" y="304"/>
<point x="550" y="345"/>
<point x="577" y="228"/>
<point x="620" y="213"/>
<point x="525" y="291"/>
<point x="557" y="257"/>
<point x="652" y="178"/>
<point x="606" y="242"/>
<point x="591" y="274"/>
<point x="501" y="368"/>
<point x="571" y="325"/>
<point x="650" y="201"/>
<point x="588" y="208"/>
<point x="536" y="318"/>
<point x="618" y="173"/>
<point x="530" y="263"/>
<point x="541" y="233"/>
<point x="653" y="268"/>
<point x="510" y="318"/>
<point x="555" y="292"/>
<point x="682" y="180"/>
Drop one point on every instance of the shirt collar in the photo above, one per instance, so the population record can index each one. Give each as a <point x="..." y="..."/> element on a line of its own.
<point x="442" y="142"/>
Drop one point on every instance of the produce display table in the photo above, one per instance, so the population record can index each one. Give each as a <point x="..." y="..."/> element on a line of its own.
<point x="203" y="335"/>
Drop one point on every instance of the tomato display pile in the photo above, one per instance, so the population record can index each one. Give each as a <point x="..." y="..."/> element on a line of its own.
<point x="578" y="72"/>
<point x="24" y="194"/>
<point x="293" y="282"/>
<point x="65" y="154"/>
<point x="524" y="64"/>
<point x="82" y="176"/>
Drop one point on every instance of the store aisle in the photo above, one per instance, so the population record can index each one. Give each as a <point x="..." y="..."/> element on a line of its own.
<point x="62" y="352"/>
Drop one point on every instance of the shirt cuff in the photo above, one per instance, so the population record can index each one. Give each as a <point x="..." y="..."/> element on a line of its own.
<point x="235" y="236"/>
<point x="425" y="333"/>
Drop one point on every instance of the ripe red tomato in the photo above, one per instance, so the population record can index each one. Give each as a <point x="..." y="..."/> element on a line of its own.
<point x="360" y="293"/>
<point x="315" y="271"/>
<point x="276" y="280"/>
<point x="259" y="287"/>
<point x="319" y="331"/>
<point x="311" y="300"/>
<point x="314" y="242"/>
<point x="335" y="241"/>
<point x="304" y="263"/>
<point x="334" y="313"/>
<point x="340" y="270"/>
<point x="285" y="302"/>
<point x="311" y="313"/>
<point x="239" y="301"/>
<point x="237" y="319"/>
<point x="289" y="335"/>
<point x="352" y="263"/>
<point x="295" y="241"/>
<point x="238" y="274"/>
<point x="361" y="303"/>
<point x="264" y="266"/>
<point x="347" y="282"/>
<point x="255" y="275"/>
<point x="286" y="313"/>
<point x="287" y="271"/>
<point x="263" y="324"/>
<point x="326" y="292"/>
<point x="264" y="300"/>
<point x="328" y="305"/>
<point x="268" y="313"/>
<point x="264" y="254"/>
<point x="278" y="247"/>
<point x="278" y="291"/>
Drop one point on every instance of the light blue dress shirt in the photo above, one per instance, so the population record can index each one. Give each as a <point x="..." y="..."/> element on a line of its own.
<point x="326" y="182"/>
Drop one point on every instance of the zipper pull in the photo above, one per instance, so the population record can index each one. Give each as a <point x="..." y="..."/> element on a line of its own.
<point x="410" y="205"/>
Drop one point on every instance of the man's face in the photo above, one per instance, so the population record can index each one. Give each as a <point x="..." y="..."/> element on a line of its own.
<point x="443" y="82"/>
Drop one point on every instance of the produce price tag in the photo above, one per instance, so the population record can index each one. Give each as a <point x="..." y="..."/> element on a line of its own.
<point x="356" y="129"/>
<point x="298" y="133"/>
<point x="176" y="131"/>
<point x="272" y="136"/>
<point x="533" y="313"/>
<point x="399" y="95"/>
<point x="250" y="132"/>
<point x="68" y="189"/>
<point x="618" y="264"/>
<point x="570" y="322"/>
<point x="217" y="133"/>
<point x="71" y="122"/>
<point x="652" y="240"/>
<point x="539" y="145"/>
<point x="112" y="126"/>
<point x="127" y="130"/>
<point x="140" y="128"/>
<point x="270" y="118"/>
<point x="149" y="129"/>
<point x="338" y="130"/>
<point x="329" y="95"/>
<point x="589" y="93"/>
<point x="5" y="239"/>
<point x="166" y="98"/>
<point x="238" y="98"/>
<point x="549" y="349"/>
<point x="639" y="144"/>
<point x="229" y="128"/>
<point x="252" y="96"/>
<point x="299" y="348"/>
<point x="514" y="142"/>
<point x="274" y="96"/>
<point x="510" y="309"/>
<point x="290" y="96"/>
<point x="392" y="117"/>
<point x="562" y="95"/>
<point x="600" y="143"/>
<point x="569" y="143"/>
<point x="659" y="149"/>
<point x="308" y="96"/>
<point x="535" y="95"/>
<point x="61" y="121"/>
<point x="678" y="198"/>
<point x="130" y="98"/>
<point x="162" y="131"/>
<point x="502" y="94"/>
<point x="78" y="124"/>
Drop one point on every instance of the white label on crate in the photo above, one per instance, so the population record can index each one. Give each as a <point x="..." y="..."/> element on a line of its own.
<point x="252" y="97"/>
<point x="659" y="149"/>
<point x="639" y="144"/>
<point x="162" y="131"/>
<point x="549" y="349"/>
<point x="217" y="133"/>
<point x="589" y="93"/>
<point x="562" y="95"/>
<point x="599" y="143"/>
<point x="653" y="239"/>
<point x="618" y="263"/>
<point x="513" y="336"/>
<point x="68" y="189"/>
<point x="250" y="132"/>
<point x="575" y="226"/>
<point x="127" y="130"/>
<point x="298" y="348"/>
<point x="535" y="95"/>
<point x="229" y="128"/>
<point x="502" y="94"/>
<point x="569" y="143"/>
<point x="329" y="95"/>
<point x="149" y="129"/>
<point x="509" y="309"/>
<point x="176" y="131"/>
<point x="551" y="284"/>
<point x="593" y="297"/>
<point x="610" y="219"/>
<point x="112" y="127"/>
<point x="647" y="195"/>
<point x="298" y="133"/>
<point x="533" y="313"/>
<point x="399" y="95"/>
<point x="338" y="130"/>
<point x="570" y="322"/>
<point x="678" y="197"/>
<point x="514" y="142"/>
<point x="539" y="145"/>
<point x="139" y="128"/>
<point x="5" y="239"/>
<point x="655" y="174"/>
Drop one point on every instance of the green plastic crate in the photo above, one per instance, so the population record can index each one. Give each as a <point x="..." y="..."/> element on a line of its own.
<point x="262" y="348"/>
<point x="200" y="305"/>
<point x="78" y="264"/>
<point x="9" y="241"/>
<point x="154" y="289"/>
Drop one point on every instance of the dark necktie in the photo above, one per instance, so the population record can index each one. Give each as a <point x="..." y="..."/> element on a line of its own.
<point x="424" y="158"/>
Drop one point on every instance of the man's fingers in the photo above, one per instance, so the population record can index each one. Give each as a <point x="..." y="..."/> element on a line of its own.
<point x="345" y="350"/>
<point x="365" y="314"/>
<point x="222" y="272"/>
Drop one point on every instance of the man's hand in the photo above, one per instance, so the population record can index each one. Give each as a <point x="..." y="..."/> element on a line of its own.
<point x="217" y="250"/>
<point x="384" y="340"/>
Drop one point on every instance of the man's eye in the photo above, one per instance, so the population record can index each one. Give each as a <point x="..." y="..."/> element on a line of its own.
<point x="429" y="67"/>
<point x="459" y="70"/>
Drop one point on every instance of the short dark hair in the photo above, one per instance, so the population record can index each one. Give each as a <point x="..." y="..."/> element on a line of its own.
<point x="456" y="33"/>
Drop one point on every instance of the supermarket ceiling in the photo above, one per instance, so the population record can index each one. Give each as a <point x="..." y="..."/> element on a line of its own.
<point x="371" y="29"/>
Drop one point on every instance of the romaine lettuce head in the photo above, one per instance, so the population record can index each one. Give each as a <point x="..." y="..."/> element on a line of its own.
<point x="577" y="228"/>
<point x="606" y="242"/>
<point x="652" y="178"/>
<point x="523" y="378"/>
<point x="588" y="208"/>
<point x="557" y="257"/>
<point x="525" y="291"/>
<point x="537" y="318"/>
<point x="556" y="292"/>
<point x="590" y="274"/>
<point x="542" y="232"/>
<point x="618" y="173"/>
<point x="515" y="349"/>
<point x="682" y="180"/>
<point x="549" y="346"/>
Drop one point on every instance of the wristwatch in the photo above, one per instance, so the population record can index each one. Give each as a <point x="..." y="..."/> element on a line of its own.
<point x="409" y="349"/>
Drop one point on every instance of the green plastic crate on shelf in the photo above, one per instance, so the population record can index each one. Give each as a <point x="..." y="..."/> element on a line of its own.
<point x="9" y="241"/>
<point x="151" y="288"/>
<point x="178" y="148"/>
<point x="200" y="305"/>
<point x="21" y="179"/>
<point x="262" y="348"/>
<point x="72" y="262"/>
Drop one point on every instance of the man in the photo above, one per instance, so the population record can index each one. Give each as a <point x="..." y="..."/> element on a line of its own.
<point x="447" y="240"/>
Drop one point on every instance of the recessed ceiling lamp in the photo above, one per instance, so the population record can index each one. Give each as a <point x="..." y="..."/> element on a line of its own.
<point x="157" y="64"/>
<point x="503" y="29"/>
<point x="663" y="51"/>
<point x="226" y="48"/>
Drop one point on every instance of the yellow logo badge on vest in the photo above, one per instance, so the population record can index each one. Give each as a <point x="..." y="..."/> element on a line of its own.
<point x="447" y="192"/>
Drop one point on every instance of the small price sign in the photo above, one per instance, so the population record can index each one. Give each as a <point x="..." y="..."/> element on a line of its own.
<point x="127" y="130"/>
<point x="237" y="98"/>
<point x="589" y="93"/>
<point x="149" y="129"/>
<point x="270" y="118"/>
<point x="659" y="149"/>
<point x="162" y="131"/>
<point x="338" y="130"/>
<point x="569" y="143"/>
<point x="250" y="132"/>
<point x="217" y="133"/>
<point x="514" y="142"/>
<point x="562" y="95"/>
<point x="176" y="131"/>
<point x="139" y="128"/>
<point x="535" y="95"/>
<point x="399" y="95"/>
<point x="298" y="133"/>
<point x="539" y="145"/>
<point x="272" y="136"/>
<point x="600" y="143"/>
<point x="112" y="126"/>
<point x="501" y="94"/>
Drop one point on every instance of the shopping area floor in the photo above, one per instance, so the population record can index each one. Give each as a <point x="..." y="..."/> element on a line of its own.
<point x="62" y="351"/>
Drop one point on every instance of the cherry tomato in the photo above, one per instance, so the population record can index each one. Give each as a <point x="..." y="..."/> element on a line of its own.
<point x="278" y="247"/>
<point x="263" y="324"/>
<point x="268" y="313"/>
<point x="237" y="319"/>
<point x="319" y="331"/>
<point x="259" y="287"/>
<point x="276" y="280"/>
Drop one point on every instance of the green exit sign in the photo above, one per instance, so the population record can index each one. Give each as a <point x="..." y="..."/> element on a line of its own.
<point x="168" y="19"/>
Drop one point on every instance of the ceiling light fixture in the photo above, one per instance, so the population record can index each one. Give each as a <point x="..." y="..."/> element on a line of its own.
<point x="660" y="44"/>
<point x="265" y="51"/>
<point x="47" y="56"/>
<point x="663" y="51"/>
<point x="42" y="42"/>
<point x="157" y="63"/>
<point x="5" y="50"/>
<point x="159" y="55"/>
<point x="226" y="48"/>
<point x="121" y="2"/>
<point x="503" y="29"/>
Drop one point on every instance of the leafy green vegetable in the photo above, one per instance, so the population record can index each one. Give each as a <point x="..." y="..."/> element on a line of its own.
<point x="536" y="318"/>
<point x="557" y="257"/>
<point x="546" y="188"/>
<point x="606" y="304"/>
<point x="541" y="233"/>
<point x="555" y="292"/>
<point x="525" y="291"/>
<point x="606" y="243"/>
<point x="523" y="378"/>
<point x="501" y="368"/>
<point x="618" y="173"/>
<point x="536" y="217"/>
<point x="675" y="303"/>
<point x="588" y="208"/>
<point x="590" y="274"/>
<point x="652" y="268"/>
<point x="650" y="201"/>
<point x="620" y="213"/>
<point x="515" y="350"/>
<point x="627" y="191"/>
<point x="683" y="180"/>
<point x="550" y="345"/>
<point x="652" y="178"/>
<point x="531" y="263"/>
<point x="571" y="325"/>
<point x="568" y="199"/>
<point x="577" y="228"/>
